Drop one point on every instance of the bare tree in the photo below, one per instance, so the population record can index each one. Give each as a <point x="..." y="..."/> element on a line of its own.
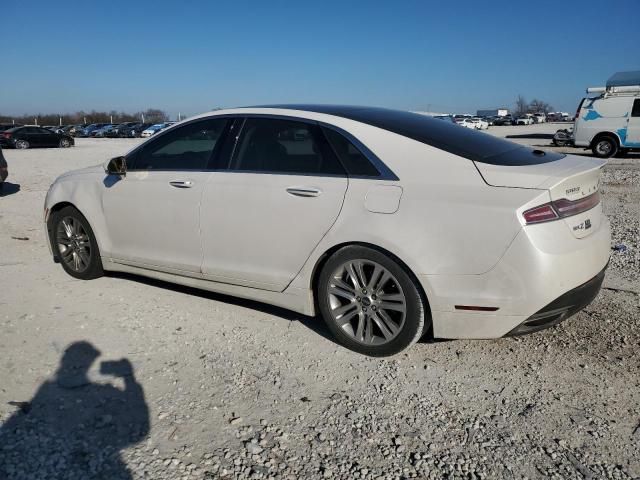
<point x="538" y="106"/>
<point x="521" y="105"/>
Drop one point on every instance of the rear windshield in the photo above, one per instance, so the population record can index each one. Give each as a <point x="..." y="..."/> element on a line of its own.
<point x="467" y="143"/>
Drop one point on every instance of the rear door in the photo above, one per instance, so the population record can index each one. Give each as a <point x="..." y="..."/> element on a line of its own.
<point x="153" y="212"/>
<point x="48" y="138"/>
<point x="32" y="135"/>
<point x="262" y="218"/>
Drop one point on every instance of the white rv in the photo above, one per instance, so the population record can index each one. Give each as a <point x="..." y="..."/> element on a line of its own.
<point x="610" y="122"/>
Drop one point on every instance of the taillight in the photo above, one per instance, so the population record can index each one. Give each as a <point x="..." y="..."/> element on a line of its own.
<point x="6" y="134"/>
<point x="560" y="209"/>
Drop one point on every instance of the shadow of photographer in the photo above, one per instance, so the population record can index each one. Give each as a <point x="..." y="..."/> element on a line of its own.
<point x="74" y="428"/>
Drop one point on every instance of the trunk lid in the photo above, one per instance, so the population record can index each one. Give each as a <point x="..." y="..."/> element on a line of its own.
<point x="571" y="177"/>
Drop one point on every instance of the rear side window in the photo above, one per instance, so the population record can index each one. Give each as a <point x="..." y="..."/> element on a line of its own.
<point x="186" y="148"/>
<point x="635" y="112"/>
<point x="354" y="161"/>
<point x="284" y="146"/>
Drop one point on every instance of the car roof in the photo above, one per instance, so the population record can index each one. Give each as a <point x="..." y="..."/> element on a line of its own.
<point x="422" y="128"/>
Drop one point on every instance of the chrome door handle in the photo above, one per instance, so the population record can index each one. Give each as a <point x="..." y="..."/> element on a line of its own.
<point x="181" y="183"/>
<point x="304" y="191"/>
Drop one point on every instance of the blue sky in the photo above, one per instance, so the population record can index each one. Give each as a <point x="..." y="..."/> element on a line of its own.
<point x="191" y="56"/>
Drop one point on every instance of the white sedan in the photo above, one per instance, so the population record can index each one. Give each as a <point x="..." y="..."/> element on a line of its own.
<point x="467" y="123"/>
<point x="388" y="224"/>
<point x="480" y="123"/>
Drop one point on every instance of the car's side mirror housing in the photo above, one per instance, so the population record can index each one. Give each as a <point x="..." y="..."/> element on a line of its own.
<point x="116" y="166"/>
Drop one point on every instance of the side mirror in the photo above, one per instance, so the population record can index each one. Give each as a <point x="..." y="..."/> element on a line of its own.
<point x="116" y="166"/>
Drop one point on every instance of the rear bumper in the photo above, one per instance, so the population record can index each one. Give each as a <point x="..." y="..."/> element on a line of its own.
<point x="562" y="307"/>
<point x="542" y="265"/>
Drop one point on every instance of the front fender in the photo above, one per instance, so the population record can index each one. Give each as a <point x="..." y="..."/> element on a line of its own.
<point x="84" y="192"/>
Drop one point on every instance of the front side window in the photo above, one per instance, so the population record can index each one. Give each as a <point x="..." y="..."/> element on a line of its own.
<point x="189" y="147"/>
<point x="284" y="146"/>
<point x="353" y="159"/>
<point x="635" y="112"/>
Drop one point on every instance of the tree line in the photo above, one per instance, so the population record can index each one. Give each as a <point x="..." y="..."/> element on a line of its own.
<point x="534" y="106"/>
<point x="151" y="115"/>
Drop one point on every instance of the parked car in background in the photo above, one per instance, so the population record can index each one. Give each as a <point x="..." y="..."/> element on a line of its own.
<point x="153" y="129"/>
<point x="89" y="129"/>
<point x="101" y="132"/>
<point x="467" y="123"/>
<point x="480" y="123"/>
<point x="524" y="120"/>
<point x="134" y="130"/>
<point x="114" y="132"/>
<point x="32" y="136"/>
<point x="382" y="259"/>
<point x="446" y="118"/>
<point x="501" y="121"/>
<point x="74" y="129"/>
<point x="539" y="117"/>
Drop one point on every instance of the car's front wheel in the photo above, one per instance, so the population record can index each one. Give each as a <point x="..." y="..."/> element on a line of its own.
<point x="65" y="143"/>
<point x="74" y="243"/>
<point x="370" y="302"/>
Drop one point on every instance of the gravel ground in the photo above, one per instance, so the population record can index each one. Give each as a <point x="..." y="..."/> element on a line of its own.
<point x="123" y="377"/>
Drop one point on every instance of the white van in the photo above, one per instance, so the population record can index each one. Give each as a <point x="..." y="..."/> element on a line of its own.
<point x="610" y="122"/>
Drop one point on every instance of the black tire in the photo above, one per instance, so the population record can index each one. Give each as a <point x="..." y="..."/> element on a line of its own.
<point x="416" y="321"/>
<point x="93" y="268"/>
<point x="22" y="144"/>
<point x="64" y="143"/>
<point x="605" y="146"/>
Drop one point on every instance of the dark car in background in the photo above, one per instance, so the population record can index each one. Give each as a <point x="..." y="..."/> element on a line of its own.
<point x="89" y="129"/>
<point x="134" y="131"/>
<point x="114" y="132"/>
<point x="445" y="118"/>
<point x="101" y="132"/>
<point x="507" y="120"/>
<point x="33" y="136"/>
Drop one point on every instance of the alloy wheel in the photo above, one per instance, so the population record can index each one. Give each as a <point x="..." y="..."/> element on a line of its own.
<point x="367" y="302"/>
<point x="22" y="144"/>
<point x="604" y="147"/>
<point x="73" y="244"/>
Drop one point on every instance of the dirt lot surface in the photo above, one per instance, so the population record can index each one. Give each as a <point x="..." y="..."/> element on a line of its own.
<point x="215" y="387"/>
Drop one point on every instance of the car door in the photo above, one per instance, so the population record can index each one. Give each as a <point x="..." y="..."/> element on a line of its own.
<point x="152" y="213"/>
<point x="262" y="218"/>
<point x="31" y="135"/>
<point x="47" y="138"/>
<point x="633" y="126"/>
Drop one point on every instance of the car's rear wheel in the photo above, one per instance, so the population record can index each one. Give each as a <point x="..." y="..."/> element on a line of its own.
<point x="605" y="147"/>
<point x="65" y="143"/>
<point x="22" y="144"/>
<point x="75" y="244"/>
<point x="370" y="302"/>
